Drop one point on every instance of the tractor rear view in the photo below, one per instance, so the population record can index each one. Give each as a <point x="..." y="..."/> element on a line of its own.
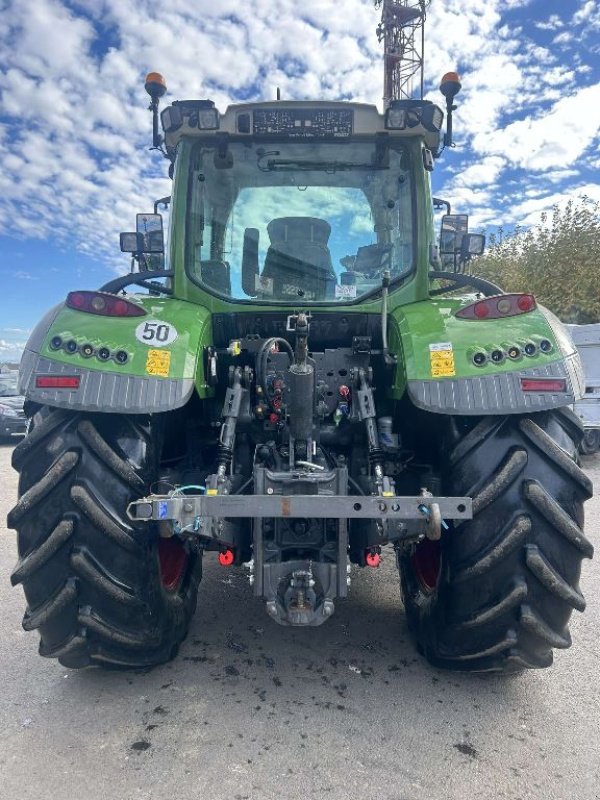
<point x="303" y="389"/>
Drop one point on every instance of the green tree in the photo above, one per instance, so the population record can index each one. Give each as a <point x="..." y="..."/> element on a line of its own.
<point x="558" y="261"/>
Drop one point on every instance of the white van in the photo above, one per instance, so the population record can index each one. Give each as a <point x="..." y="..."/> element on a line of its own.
<point x="587" y="341"/>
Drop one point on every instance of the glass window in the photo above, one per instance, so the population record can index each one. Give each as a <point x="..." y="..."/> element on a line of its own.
<point x="317" y="222"/>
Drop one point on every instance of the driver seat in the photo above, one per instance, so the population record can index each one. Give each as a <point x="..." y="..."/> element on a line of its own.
<point x="298" y="260"/>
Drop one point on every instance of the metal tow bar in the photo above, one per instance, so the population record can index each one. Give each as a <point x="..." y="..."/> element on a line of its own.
<point x="197" y="512"/>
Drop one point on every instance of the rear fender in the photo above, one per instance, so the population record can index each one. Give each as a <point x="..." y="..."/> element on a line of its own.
<point x="160" y="361"/>
<point x="435" y="355"/>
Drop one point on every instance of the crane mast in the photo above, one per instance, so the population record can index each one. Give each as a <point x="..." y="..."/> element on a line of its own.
<point x="402" y="30"/>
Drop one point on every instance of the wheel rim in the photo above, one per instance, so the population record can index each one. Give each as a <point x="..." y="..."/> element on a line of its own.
<point x="591" y="440"/>
<point x="173" y="560"/>
<point x="426" y="564"/>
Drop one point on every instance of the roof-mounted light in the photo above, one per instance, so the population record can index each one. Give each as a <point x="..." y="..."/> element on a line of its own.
<point x="407" y="114"/>
<point x="200" y="114"/>
<point x="450" y="85"/>
<point x="155" y="85"/>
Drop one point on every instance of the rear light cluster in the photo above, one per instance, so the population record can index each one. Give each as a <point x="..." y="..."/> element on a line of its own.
<point x="104" y="304"/>
<point x="513" y="352"/>
<point x="87" y="350"/>
<point x="498" y="307"/>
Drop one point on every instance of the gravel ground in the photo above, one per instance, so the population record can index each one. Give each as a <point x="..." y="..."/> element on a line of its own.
<point x="252" y="711"/>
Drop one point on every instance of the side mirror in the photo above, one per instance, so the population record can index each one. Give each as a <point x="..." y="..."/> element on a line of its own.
<point x="473" y="244"/>
<point x="250" y="261"/>
<point x="150" y="226"/>
<point x="454" y="227"/>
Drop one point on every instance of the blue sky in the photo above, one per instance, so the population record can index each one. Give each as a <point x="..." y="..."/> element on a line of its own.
<point x="75" y="132"/>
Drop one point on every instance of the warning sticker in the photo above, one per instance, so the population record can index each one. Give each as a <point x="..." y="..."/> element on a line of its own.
<point x="262" y="284"/>
<point x="345" y="292"/>
<point x="158" y="362"/>
<point x="441" y="360"/>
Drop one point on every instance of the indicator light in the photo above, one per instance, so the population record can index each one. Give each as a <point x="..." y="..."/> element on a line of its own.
<point x="103" y="353"/>
<point x="71" y="346"/>
<point x="526" y="302"/>
<point x="545" y="346"/>
<point x="56" y="343"/>
<point x="87" y="350"/>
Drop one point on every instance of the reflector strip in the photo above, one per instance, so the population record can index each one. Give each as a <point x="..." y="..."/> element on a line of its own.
<point x="57" y="381"/>
<point x="543" y="385"/>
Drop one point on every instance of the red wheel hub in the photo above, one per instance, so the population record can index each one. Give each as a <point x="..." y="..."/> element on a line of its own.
<point x="426" y="564"/>
<point x="173" y="559"/>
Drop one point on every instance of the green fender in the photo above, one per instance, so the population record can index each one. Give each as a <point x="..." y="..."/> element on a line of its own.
<point x="435" y="360"/>
<point x="141" y="364"/>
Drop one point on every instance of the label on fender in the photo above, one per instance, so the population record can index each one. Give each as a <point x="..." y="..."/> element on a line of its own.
<point x="156" y="333"/>
<point x="158" y="363"/>
<point x="441" y="360"/>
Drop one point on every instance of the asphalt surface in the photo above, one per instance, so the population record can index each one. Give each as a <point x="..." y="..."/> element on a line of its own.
<point x="252" y="711"/>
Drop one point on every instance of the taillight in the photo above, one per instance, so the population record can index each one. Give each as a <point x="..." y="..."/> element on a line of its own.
<point x="502" y="305"/>
<point x="107" y="305"/>
<point x="57" y="381"/>
<point x="543" y="384"/>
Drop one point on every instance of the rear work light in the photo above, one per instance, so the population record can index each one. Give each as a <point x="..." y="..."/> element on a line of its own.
<point x="499" y="306"/>
<point x="104" y="304"/>
<point x="57" y="382"/>
<point x="543" y="384"/>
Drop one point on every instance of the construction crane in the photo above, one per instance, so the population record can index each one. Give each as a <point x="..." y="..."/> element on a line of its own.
<point x="402" y="30"/>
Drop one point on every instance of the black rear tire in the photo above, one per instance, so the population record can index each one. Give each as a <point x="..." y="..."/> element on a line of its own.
<point x="498" y="591"/>
<point x="99" y="589"/>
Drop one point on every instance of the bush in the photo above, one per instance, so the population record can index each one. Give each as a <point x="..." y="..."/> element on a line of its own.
<point x="558" y="261"/>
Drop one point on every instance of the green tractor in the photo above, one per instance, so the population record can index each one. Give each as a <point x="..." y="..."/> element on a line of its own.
<point x="303" y="388"/>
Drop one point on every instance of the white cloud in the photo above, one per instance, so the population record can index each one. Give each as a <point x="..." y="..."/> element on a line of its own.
<point x="76" y="131"/>
<point x="588" y="14"/>
<point x="556" y="138"/>
<point x="553" y="23"/>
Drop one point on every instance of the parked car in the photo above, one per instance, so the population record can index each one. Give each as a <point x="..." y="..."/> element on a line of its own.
<point x="12" y="416"/>
<point x="587" y="340"/>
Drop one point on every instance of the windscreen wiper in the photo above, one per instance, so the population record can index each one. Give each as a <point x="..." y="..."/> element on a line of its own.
<point x="294" y="165"/>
